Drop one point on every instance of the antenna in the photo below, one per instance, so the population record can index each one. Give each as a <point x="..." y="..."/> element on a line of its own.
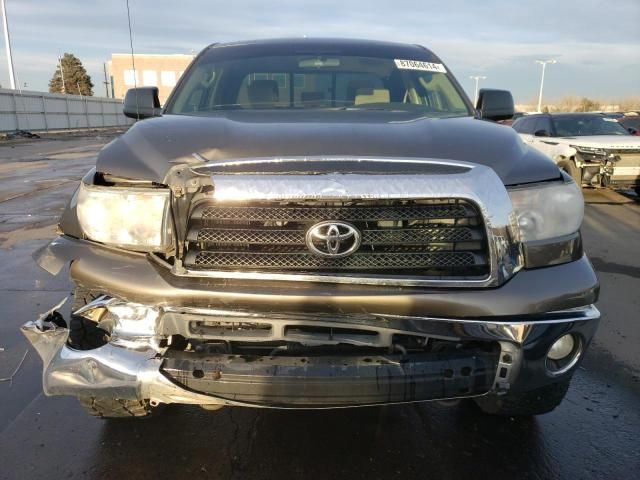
<point x="64" y="87"/>
<point x="133" y="62"/>
<point x="477" y="78"/>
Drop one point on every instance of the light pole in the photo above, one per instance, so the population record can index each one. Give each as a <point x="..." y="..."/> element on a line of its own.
<point x="477" y="78"/>
<point x="7" y="42"/>
<point x="64" y="88"/>
<point x="544" y="66"/>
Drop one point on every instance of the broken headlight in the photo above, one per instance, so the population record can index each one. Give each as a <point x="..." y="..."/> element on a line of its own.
<point x="595" y="155"/>
<point x="133" y="218"/>
<point x="594" y="151"/>
<point x="549" y="216"/>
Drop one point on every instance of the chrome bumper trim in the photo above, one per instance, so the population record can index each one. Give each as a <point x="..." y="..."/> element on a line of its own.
<point x="515" y="331"/>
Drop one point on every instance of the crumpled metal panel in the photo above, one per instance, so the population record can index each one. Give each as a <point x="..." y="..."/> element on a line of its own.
<point x="46" y="337"/>
<point x="53" y="256"/>
<point x="478" y="183"/>
<point x="122" y="370"/>
<point x="108" y="371"/>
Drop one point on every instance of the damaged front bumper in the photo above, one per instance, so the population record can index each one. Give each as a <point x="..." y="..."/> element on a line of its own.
<point x="138" y="362"/>
<point x="114" y="370"/>
<point x="402" y="344"/>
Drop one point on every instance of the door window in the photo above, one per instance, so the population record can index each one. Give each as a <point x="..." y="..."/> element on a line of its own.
<point x="525" y="125"/>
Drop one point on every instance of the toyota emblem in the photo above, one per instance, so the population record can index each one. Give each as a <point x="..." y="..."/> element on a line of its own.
<point x="333" y="239"/>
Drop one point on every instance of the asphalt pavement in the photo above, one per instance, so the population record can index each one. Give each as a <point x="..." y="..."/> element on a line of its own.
<point x="595" y="433"/>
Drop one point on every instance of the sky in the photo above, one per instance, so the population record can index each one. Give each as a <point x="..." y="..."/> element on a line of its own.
<point x="596" y="42"/>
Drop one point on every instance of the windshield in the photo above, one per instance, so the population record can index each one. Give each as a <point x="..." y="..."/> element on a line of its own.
<point x="318" y="82"/>
<point x="587" y="125"/>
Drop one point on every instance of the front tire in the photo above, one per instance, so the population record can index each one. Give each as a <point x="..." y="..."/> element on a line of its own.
<point x="86" y="335"/>
<point x="534" y="402"/>
<point x="83" y="333"/>
<point x="572" y="169"/>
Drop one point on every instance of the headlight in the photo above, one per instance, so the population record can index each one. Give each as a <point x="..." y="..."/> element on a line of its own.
<point x="134" y="218"/>
<point x="548" y="211"/>
<point x="549" y="217"/>
<point x="590" y="150"/>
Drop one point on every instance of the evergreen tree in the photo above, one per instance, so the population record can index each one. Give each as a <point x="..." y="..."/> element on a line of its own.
<point x="76" y="79"/>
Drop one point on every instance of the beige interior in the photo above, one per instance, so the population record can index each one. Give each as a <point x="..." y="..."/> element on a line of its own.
<point x="372" y="95"/>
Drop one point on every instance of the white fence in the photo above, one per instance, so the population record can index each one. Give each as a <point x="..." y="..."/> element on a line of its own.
<point x="37" y="111"/>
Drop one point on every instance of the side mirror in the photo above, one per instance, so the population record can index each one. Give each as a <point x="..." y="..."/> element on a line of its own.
<point x="142" y="102"/>
<point x="541" y="133"/>
<point x="495" y="104"/>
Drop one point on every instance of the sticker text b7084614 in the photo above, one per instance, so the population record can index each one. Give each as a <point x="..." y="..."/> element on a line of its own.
<point x="420" y="65"/>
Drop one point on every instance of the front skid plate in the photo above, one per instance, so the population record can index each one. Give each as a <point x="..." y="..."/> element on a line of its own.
<point x="324" y="381"/>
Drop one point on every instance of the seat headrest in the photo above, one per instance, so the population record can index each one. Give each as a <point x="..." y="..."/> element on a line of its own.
<point x="263" y="92"/>
<point x="372" y="95"/>
<point x="354" y="85"/>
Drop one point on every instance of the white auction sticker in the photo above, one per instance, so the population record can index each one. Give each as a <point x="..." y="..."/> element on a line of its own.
<point x="420" y="65"/>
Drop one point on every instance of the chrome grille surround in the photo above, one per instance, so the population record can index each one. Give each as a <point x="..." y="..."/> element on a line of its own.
<point x="476" y="184"/>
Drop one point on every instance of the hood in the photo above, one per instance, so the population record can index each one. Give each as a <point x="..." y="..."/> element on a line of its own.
<point x="151" y="147"/>
<point x="611" y="142"/>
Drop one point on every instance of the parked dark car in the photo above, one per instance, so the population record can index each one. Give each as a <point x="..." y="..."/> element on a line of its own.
<point x="315" y="224"/>
<point x="614" y="115"/>
<point x="631" y="123"/>
<point x="509" y="121"/>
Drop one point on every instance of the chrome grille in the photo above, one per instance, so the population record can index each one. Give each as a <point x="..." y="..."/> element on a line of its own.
<point x="363" y="213"/>
<point x="422" y="238"/>
<point x="243" y="236"/>
<point x="373" y="237"/>
<point x="357" y="261"/>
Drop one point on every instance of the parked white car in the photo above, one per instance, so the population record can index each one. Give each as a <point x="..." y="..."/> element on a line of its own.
<point x="593" y="149"/>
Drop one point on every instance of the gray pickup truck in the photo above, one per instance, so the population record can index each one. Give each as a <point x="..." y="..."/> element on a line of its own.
<point x="318" y="224"/>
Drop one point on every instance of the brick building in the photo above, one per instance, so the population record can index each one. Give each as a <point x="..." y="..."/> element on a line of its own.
<point x="162" y="71"/>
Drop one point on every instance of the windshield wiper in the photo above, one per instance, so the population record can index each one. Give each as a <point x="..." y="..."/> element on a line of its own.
<point x="373" y="109"/>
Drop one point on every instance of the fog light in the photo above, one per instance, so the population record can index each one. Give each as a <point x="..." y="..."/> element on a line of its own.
<point x="562" y="347"/>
